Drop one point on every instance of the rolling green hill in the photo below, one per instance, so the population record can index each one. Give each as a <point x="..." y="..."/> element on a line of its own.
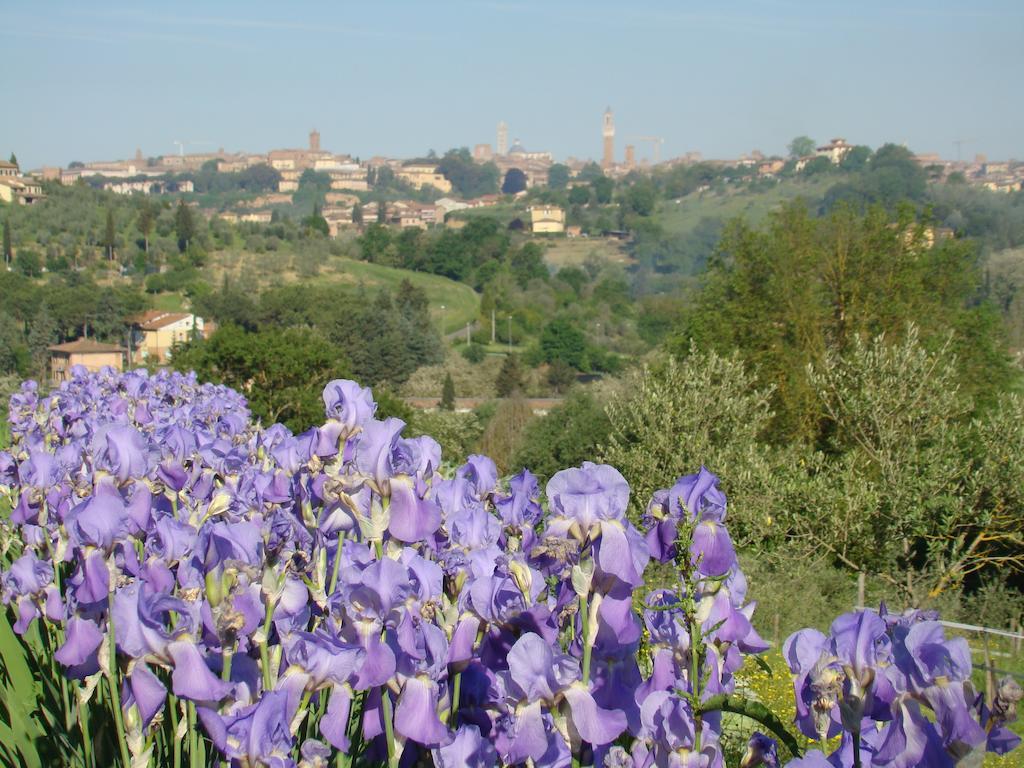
<point x="683" y="216"/>
<point x="461" y="303"/>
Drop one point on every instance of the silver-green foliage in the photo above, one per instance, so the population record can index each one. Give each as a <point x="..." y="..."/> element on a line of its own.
<point x="705" y="409"/>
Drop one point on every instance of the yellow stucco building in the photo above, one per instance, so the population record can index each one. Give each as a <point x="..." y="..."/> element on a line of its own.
<point x="90" y="354"/>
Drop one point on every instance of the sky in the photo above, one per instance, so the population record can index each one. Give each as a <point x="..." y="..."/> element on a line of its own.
<point x="95" y="81"/>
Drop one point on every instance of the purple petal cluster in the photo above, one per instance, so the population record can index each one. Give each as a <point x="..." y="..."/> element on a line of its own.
<point x="897" y="690"/>
<point x="342" y="591"/>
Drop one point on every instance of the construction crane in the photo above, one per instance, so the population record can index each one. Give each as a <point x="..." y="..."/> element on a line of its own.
<point x="959" y="143"/>
<point x="656" y="142"/>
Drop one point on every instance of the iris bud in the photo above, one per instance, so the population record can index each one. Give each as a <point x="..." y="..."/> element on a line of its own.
<point x="214" y="588"/>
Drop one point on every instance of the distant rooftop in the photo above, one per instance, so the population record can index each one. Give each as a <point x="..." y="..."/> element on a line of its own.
<point x="155" y="319"/>
<point x="86" y="346"/>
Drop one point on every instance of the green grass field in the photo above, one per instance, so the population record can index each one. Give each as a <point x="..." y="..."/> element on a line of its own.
<point x="461" y="303"/>
<point x="682" y="217"/>
<point x="563" y="252"/>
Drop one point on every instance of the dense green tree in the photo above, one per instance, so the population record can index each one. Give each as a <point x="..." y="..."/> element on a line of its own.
<point x="560" y="376"/>
<point x="316" y="222"/>
<point x="788" y="293"/>
<point x="558" y="176"/>
<point x="801" y="146"/>
<point x="357" y="214"/>
<point x="579" y="195"/>
<point x="29" y="263"/>
<point x="856" y="159"/>
<point x="575" y="277"/>
<point x="569" y="435"/>
<point x="13" y="352"/>
<point x="448" y="393"/>
<point x="42" y="332"/>
<point x="590" y="172"/>
<point x="313" y="189"/>
<point x="642" y="197"/>
<point x="603" y="187"/>
<point x="515" y="181"/>
<point x="561" y="340"/>
<point x="891" y="178"/>
<point x="510" y="377"/>
<point x="527" y="264"/>
<point x="376" y="244"/>
<point x="817" y="166"/>
<point x="281" y="372"/>
<point x="468" y="179"/>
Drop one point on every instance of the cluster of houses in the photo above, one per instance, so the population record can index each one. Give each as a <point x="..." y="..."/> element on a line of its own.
<point x="17" y="188"/>
<point x="151" y="338"/>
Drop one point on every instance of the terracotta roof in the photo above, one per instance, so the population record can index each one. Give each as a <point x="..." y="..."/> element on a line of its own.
<point x="156" y="319"/>
<point x="86" y="346"/>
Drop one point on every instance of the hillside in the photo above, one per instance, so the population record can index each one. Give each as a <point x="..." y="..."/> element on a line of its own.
<point x="680" y="217"/>
<point x="460" y="302"/>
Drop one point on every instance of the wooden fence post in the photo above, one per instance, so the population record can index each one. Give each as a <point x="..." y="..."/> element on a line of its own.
<point x="990" y="678"/>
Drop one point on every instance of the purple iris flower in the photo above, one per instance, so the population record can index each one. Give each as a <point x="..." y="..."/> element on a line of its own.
<point x="81" y="643"/>
<point x="588" y="495"/>
<point x="348" y="403"/>
<point x="122" y="450"/>
<point x="467" y="748"/>
<point x="322" y="658"/>
<point x="539" y="680"/>
<point x="258" y="734"/>
<point x="521" y="507"/>
<point x="102" y="519"/>
<point x="27" y="583"/>
<point x="693" y="499"/>
<point x="143" y="621"/>
<point x="761" y="750"/>
<point x="146" y="692"/>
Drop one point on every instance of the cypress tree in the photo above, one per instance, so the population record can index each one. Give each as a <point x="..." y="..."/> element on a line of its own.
<point x="448" y="393"/>
<point x="109" y="234"/>
<point x="8" y="253"/>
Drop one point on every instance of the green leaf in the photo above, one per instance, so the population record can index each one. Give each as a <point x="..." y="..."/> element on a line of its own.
<point x="755" y="710"/>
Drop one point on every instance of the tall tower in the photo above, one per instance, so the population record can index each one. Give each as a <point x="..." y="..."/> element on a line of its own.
<point x="630" y="156"/>
<point x="502" y="145"/>
<point x="314" y="140"/>
<point x="608" y="160"/>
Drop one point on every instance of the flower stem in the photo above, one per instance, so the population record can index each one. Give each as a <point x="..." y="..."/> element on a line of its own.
<point x="264" y="652"/>
<point x="172" y="704"/>
<point x="585" y="621"/>
<point x="225" y="672"/>
<point x="456" y="696"/>
<point x="83" y="724"/>
<point x="112" y="683"/>
<point x="389" y="726"/>
<point x="695" y="682"/>
<point x="193" y="740"/>
<point x="337" y="564"/>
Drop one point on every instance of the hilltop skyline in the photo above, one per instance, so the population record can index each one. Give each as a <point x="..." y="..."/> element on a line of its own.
<point x="717" y="80"/>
